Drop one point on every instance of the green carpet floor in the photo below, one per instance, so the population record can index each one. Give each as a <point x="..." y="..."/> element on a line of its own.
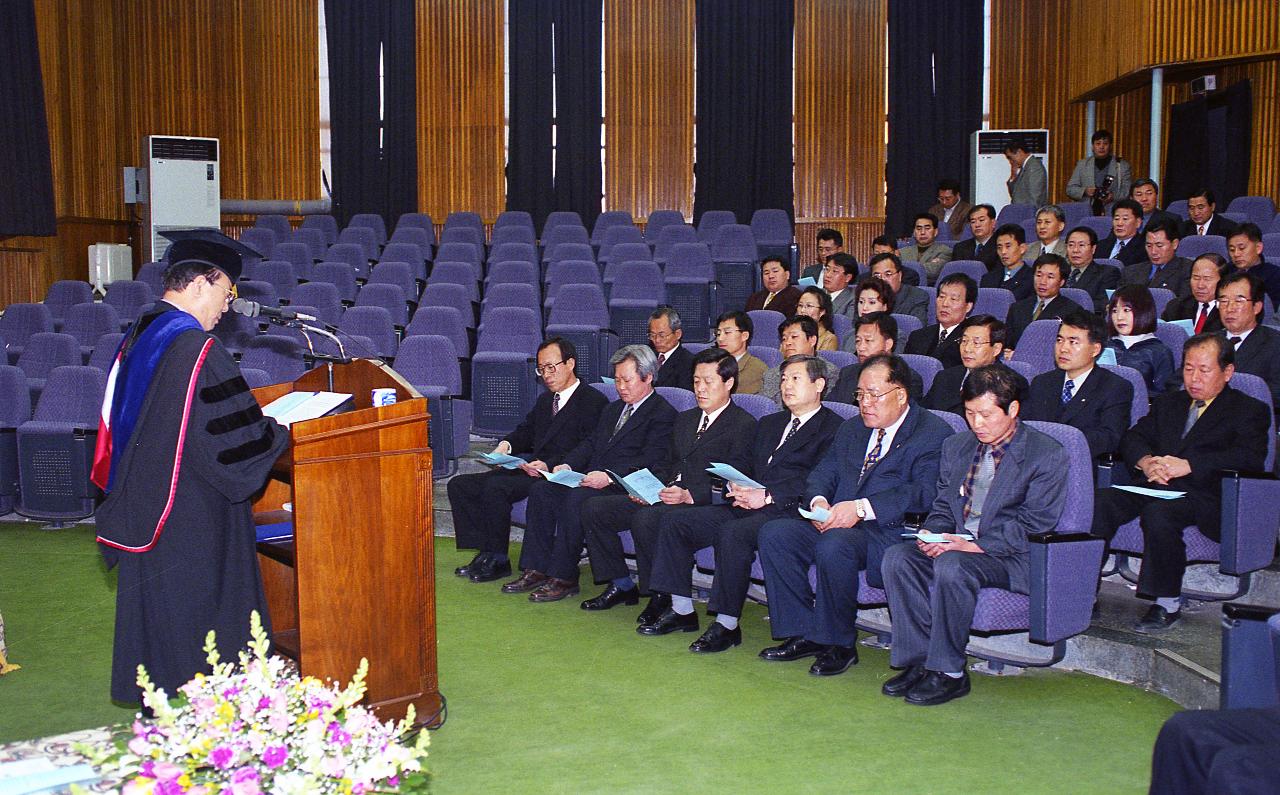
<point x="548" y="698"/>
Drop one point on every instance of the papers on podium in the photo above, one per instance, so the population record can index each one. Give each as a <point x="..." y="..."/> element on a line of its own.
<point x="502" y="460"/>
<point x="565" y="477"/>
<point x="731" y="474"/>
<point x="936" y="538"/>
<point x="1163" y="494"/>
<point x="640" y="484"/>
<point x="302" y="406"/>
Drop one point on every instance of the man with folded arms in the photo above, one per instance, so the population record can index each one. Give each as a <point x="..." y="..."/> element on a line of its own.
<point x="560" y="419"/>
<point x="716" y="431"/>
<point x="633" y="433"/>
<point x="999" y="482"/>
<point x="787" y="445"/>
<point x="876" y="470"/>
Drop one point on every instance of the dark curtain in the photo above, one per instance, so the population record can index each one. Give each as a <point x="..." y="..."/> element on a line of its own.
<point x="1209" y="143"/>
<point x="743" y="106"/>
<point x="375" y="161"/>
<point x="935" y="101"/>
<point x="555" y="53"/>
<point x="26" y="173"/>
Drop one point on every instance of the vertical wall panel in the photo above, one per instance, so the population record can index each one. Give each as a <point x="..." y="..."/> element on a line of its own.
<point x="649" y="105"/>
<point x="460" y="107"/>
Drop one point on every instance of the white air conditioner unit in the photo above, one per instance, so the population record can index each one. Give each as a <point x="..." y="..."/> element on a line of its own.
<point x="109" y="262"/>
<point x="989" y="167"/>
<point x="181" y="188"/>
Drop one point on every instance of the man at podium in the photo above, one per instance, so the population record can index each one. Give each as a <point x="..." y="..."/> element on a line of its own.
<point x="182" y="449"/>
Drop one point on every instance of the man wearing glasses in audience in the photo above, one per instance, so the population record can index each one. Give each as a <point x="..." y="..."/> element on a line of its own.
<point x="675" y="364"/>
<point x="981" y="344"/>
<point x="733" y="334"/>
<point x="838" y="273"/>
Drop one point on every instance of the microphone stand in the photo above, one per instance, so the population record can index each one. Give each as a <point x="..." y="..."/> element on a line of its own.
<point x="341" y="358"/>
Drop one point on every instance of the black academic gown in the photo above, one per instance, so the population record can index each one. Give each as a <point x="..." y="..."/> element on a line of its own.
<point x="202" y="572"/>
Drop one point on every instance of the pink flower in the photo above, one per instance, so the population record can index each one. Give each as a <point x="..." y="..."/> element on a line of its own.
<point x="222" y="757"/>
<point x="275" y="756"/>
<point x="394" y="781"/>
<point x="338" y="735"/>
<point x="138" y="786"/>
<point x="244" y="782"/>
<point x="264" y="703"/>
<point x="168" y="788"/>
<point x="139" y="746"/>
<point x="167" y="771"/>
<point x="148" y="769"/>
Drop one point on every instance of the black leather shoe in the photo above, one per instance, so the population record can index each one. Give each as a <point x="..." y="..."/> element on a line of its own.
<point x="718" y="637"/>
<point x="670" y="621"/>
<point x="938" y="688"/>
<point x="796" y="648"/>
<point x="465" y="569"/>
<point x="489" y="569"/>
<point x="1157" y="619"/>
<point x="658" y="604"/>
<point x="898" y="686"/>
<point x="612" y="597"/>
<point x="834" y="660"/>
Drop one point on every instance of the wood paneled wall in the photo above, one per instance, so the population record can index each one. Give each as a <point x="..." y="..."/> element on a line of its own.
<point x="648" y="93"/>
<point x="461" y="137"/>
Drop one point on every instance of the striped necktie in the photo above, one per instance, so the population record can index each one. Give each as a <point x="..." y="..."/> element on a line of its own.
<point x="874" y="455"/>
<point x="795" y="426"/>
<point x="555" y="404"/>
<point x="626" y="415"/>
<point x="1039" y="308"/>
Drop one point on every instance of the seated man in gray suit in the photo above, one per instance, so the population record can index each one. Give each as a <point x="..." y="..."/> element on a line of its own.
<point x="797" y="336"/>
<point x="998" y="483"/>
<point x="1050" y="221"/>
<point x="839" y="273"/>
<point x="876" y="471"/>
<point x="1047" y="303"/>
<point x="874" y="335"/>
<point x="907" y="299"/>
<point x="830" y="243"/>
<point x="1028" y="181"/>
<point x="927" y="251"/>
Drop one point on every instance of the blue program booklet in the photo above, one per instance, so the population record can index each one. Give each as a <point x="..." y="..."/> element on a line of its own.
<point x="936" y="538"/>
<point x="807" y="281"/>
<point x="640" y="484"/>
<point x="502" y="460"/>
<point x="731" y="474"/>
<point x="817" y="514"/>
<point x="565" y="477"/>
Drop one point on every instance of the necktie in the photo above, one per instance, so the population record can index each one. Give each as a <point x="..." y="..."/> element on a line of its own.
<point x="1115" y="250"/>
<point x="1200" y="318"/>
<point x="1193" y="414"/>
<point x="791" y="431"/>
<point x="977" y="249"/>
<point x="555" y="404"/>
<point x="706" y="420"/>
<point x="1235" y="342"/>
<point x="874" y="455"/>
<point x="767" y="299"/>
<point x="942" y="335"/>
<point x="626" y="415"/>
<point x="662" y="357"/>
<point x="1200" y="229"/>
<point x="1075" y="276"/>
<point x="1067" y="389"/>
<point x="1039" y="308"/>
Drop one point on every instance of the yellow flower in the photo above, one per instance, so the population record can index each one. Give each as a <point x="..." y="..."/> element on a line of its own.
<point x="184" y="781"/>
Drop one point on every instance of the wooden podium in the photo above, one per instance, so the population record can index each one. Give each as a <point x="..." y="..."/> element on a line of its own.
<point x="358" y="579"/>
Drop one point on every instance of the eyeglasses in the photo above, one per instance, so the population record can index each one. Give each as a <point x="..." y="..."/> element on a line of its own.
<point x="1239" y="300"/>
<point x="871" y="397"/>
<point x="548" y="368"/>
<point x="231" y="294"/>
<point x="661" y="335"/>
<point x="724" y="332"/>
<point x="974" y="343"/>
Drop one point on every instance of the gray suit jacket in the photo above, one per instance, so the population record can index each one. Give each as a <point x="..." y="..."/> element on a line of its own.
<point x="1083" y="177"/>
<point x="1174" y="276"/>
<point x="771" y="385"/>
<point x="912" y="301"/>
<point x="1037" y="248"/>
<point x="846" y="303"/>
<point x="1031" y="186"/>
<point x="1027" y="496"/>
<point x="932" y="259"/>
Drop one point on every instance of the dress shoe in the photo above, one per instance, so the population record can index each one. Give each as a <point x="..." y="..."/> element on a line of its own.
<point x="658" y="604"/>
<point x="612" y="597"/>
<point x="553" y="590"/>
<point x="527" y="581"/>
<point x="793" y="649"/>
<point x="898" y="686"/>
<point x="489" y="569"/>
<point x="670" y="621"/>
<point x="465" y="569"/>
<point x="834" y="660"/>
<point x="938" y="688"/>
<point x="1157" y="619"/>
<point x="718" y="637"/>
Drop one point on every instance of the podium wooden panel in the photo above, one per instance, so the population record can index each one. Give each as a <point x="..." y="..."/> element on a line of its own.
<point x="358" y="580"/>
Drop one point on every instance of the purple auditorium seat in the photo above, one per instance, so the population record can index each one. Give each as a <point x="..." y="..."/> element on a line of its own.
<point x="86" y="322"/>
<point x="459" y="273"/>
<point x="462" y="252"/>
<point x="44" y="352"/>
<point x="1141" y="402"/>
<point x="1271" y="242"/>
<point x="954" y="421"/>
<point x="326" y="225"/>
<point x="918" y="270"/>
<point x="279" y="224"/>
<point x="504" y="384"/>
<point x="1250" y="515"/>
<point x="1015" y="214"/>
<point x="1178" y="208"/>
<point x="765" y="322"/>
<point x="993" y="301"/>
<point x="128" y="297"/>
<point x="297" y="253"/>
<point x="313" y="239"/>
<point x="1100" y="224"/>
<point x="608" y="390"/>
<point x="1162" y="297"/>
<point x="558" y="235"/>
<point x="625" y="252"/>
<point x="508" y="320"/>
<point x="756" y="405"/>
<point x="463" y="234"/>
<point x="972" y="268"/>
<point x="15" y="409"/>
<point x="1075" y="211"/>
<point x="1036" y="346"/>
<point x="510" y="294"/>
<point x="451" y="295"/>
<point x="424" y="239"/>
<point x="769" y="354"/>
<point x="1080" y="297"/>
<point x="152" y="274"/>
<point x="324" y="297"/>
<point x="255" y="377"/>
<point x="513" y="218"/>
<point x="680" y="399"/>
<point x="64" y="294"/>
<point x="411" y="253"/>
<point x="234" y="330"/>
<point x="513" y="234"/>
<point x="1258" y="209"/>
<point x="616" y="236"/>
<point x="375" y="323"/>
<point x="566" y="272"/>
<point x="560" y="218"/>
<point x="636" y="291"/>
<point x="278" y="355"/>
<point x="445" y="321"/>
<point x="733" y="251"/>
<point x="259" y="291"/>
<point x="281" y="275"/>
<point x="362" y="236"/>
<point x="512" y="273"/>
<point x="1173" y="337"/>
<point x="692" y="290"/>
<point x="697" y="347"/>
<point x="104" y="351"/>
<point x="399" y="274"/>
<point x="581" y="317"/>
<point x="55" y="449"/>
<point x="669" y="238"/>
<point x="341" y="275"/>
<point x="350" y="253"/>
<point x="925" y="366"/>
<point x="842" y="326"/>
<point x="421" y="221"/>
<point x="260" y="239"/>
<point x="711" y="221"/>
<point x="371" y="221"/>
<point x="21" y="321"/>
<point x="840" y="359"/>
<point x="430" y="364"/>
<point x="513" y="252"/>
<point x="1022" y="368"/>
<point x="608" y="220"/>
<point x="621" y="262"/>
<point x="775" y="235"/>
<point x="464" y="220"/>
<point x="906" y="325"/>
<point x="845" y="410"/>
<point x="575" y="250"/>
<point x="658" y="220"/>
<point x="389" y="297"/>
<point x="1275" y="225"/>
<point x="1193" y="246"/>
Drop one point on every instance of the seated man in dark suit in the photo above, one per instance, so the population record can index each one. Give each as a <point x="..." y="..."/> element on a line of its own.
<point x="633" y="433"/>
<point x="982" y="246"/>
<point x="1048" y="302"/>
<point x="717" y="430"/>
<point x="999" y="483"/>
<point x="1147" y="194"/>
<point x="675" y="364"/>
<point x="908" y="299"/>
<point x="1124" y="243"/>
<point x="481" y="502"/>
<point x="1013" y="273"/>
<point x="877" y="470"/>
<point x="1217" y="751"/>
<point x="1078" y="392"/>
<point x="1163" y="267"/>
<point x="1204" y="220"/>
<point x="778" y="294"/>
<point x="1181" y="445"/>
<point x="885" y="244"/>
<point x="787" y="445"/>
<point x="874" y="334"/>
<point x="1086" y="274"/>
<point x="830" y="243"/>
<point x="1244" y="246"/>
<point x="956" y="296"/>
<point x="1201" y="306"/>
<point x="1257" y="347"/>
<point x="981" y="345"/>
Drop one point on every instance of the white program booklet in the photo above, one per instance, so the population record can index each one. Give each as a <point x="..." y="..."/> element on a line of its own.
<point x="302" y="406"/>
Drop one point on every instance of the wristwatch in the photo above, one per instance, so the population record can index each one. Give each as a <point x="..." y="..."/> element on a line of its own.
<point x="859" y="506"/>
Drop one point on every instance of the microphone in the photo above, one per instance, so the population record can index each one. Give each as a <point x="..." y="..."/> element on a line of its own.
<point x="253" y="309"/>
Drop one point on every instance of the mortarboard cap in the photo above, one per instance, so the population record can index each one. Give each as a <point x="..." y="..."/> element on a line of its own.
<point x="211" y="247"/>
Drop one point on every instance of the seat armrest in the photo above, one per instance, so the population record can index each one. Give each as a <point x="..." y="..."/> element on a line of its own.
<point x="1250" y="521"/>
<point x="1064" y="570"/>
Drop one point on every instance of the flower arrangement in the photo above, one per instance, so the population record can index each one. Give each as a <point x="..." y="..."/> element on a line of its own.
<point x="259" y="727"/>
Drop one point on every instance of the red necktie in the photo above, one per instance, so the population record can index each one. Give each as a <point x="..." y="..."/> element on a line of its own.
<point x="1200" y="318"/>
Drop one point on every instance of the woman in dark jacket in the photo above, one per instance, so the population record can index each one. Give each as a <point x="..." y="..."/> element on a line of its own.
<point x="1131" y="324"/>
